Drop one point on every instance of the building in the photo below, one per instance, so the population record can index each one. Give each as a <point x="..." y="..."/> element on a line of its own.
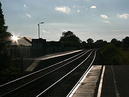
<point x="39" y="47"/>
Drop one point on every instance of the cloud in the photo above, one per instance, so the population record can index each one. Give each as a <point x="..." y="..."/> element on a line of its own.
<point x="104" y="16"/>
<point x="45" y="31"/>
<point x="93" y="6"/>
<point x="74" y="6"/>
<point x="25" y="6"/>
<point x="62" y="30"/>
<point x="78" y="11"/>
<point x="63" y="9"/>
<point x="123" y="16"/>
<point x="28" y="15"/>
<point x="87" y="0"/>
<point x="117" y="31"/>
<point x="107" y="22"/>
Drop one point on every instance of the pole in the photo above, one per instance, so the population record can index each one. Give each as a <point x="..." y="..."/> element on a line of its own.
<point x="38" y="30"/>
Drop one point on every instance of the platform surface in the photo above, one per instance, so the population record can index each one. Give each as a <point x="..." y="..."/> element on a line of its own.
<point x="88" y="86"/>
<point x="49" y="56"/>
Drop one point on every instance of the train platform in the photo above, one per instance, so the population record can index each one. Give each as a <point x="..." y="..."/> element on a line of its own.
<point x="49" y="56"/>
<point x="103" y="81"/>
<point x="87" y="86"/>
<point x="116" y="81"/>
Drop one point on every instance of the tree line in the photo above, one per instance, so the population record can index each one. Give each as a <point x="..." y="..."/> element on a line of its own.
<point x="69" y="39"/>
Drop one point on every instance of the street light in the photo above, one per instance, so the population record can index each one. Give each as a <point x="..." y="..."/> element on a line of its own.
<point x="39" y="28"/>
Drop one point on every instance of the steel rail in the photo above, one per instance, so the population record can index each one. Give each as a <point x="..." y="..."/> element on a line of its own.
<point x="23" y="85"/>
<point x="73" y="90"/>
<point x="40" y="94"/>
<point x="20" y="78"/>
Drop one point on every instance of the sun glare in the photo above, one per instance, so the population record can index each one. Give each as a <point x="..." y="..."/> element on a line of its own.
<point x="14" y="38"/>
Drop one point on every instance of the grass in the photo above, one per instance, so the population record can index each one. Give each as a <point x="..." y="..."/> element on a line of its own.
<point x="125" y="54"/>
<point x="113" y="55"/>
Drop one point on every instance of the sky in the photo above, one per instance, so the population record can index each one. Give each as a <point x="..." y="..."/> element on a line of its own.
<point x="96" y="19"/>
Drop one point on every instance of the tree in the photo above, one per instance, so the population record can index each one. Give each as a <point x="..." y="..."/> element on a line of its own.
<point x="68" y="39"/>
<point x="116" y="42"/>
<point x="67" y="34"/>
<point x="4" y="40"/>
<point x="3" y="29"/>
<point x="125" y="42"/>
<point x="90" y="40"/>
<point x="84" y="44"/>
<point x="2" y="21"/>
<point x="100" y="43"/>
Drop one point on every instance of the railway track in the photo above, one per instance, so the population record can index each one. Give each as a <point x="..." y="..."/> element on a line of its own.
<point x="47" y="82"/>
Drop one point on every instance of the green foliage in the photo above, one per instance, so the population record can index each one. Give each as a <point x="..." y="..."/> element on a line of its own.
<point x="90" y="41"/>
<point x="69" y="39"/>
<point x="4" y="35"/>
<point x="3" y="29"/>
<point x="2" y="21"/>
<point x="125" y="42"/>
<point x="116" y="42"/>
<point x="4" y="41"/>
<point x="100" y="43"/>
<point x="113" y="55"/>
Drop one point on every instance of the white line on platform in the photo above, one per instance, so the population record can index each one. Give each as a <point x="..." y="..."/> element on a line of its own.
<point x="78" y="84"/>
<point x="71" y="93"/>
<point x="101" y="83"/>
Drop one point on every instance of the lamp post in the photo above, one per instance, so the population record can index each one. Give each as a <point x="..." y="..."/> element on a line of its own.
<point x="39" y="29"/>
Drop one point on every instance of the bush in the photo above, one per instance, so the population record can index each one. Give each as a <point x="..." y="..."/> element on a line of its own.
<point x="113" y="55"/>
